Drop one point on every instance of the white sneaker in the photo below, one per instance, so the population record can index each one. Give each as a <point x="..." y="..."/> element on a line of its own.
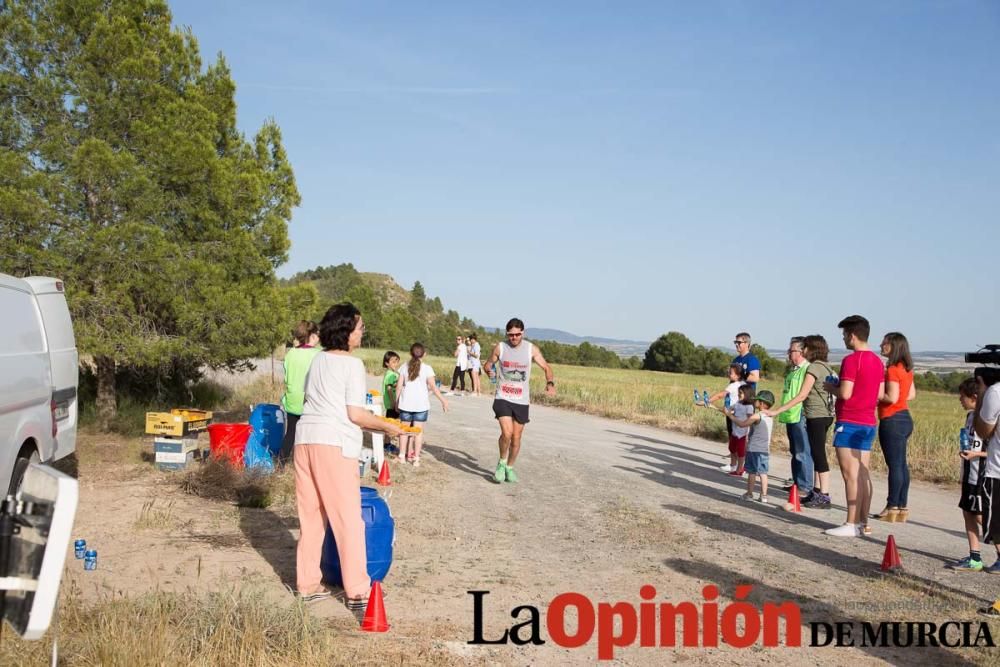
<point x="726" y="468"/>
<point x="846" y="530"/>
<point x="762" y="500"/>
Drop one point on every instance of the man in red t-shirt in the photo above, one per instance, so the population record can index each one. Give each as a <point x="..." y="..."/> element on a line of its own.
<point x="861" y="385"/>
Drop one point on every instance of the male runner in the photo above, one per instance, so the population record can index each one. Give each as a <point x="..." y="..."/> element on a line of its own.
<point x="510" y="405"/>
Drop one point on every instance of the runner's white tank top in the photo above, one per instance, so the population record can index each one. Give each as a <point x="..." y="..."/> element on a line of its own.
<point x="515" y="371"/>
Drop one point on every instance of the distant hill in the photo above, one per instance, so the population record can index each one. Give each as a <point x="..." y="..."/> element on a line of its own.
<point x="930" y="360"/>
<point x="623" y="348"/>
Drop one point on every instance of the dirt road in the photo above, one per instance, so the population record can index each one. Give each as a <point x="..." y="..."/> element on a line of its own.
<point x="602" y="508"/>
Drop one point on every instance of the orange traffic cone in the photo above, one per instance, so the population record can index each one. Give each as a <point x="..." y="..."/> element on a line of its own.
<point x="375" y="620"/>
<point x="383" y="474"/>
<point x="890" y="561"/>
<point x="793" y="504"/>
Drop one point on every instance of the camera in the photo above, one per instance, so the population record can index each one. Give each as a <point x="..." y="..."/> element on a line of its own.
<point x="990" y="354"/>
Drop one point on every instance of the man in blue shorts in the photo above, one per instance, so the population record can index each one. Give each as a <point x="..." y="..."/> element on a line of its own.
<point x="862" y="381"/>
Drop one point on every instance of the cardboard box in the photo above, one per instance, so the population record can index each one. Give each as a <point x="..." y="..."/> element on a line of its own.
<point x="178" y="422"/>
<point x="175" y="453"/>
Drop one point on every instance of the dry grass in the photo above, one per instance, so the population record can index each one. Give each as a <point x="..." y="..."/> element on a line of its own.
<point x="218" y="480"/>
<point x="153" y="517"/>
<point x="232" y="627"/>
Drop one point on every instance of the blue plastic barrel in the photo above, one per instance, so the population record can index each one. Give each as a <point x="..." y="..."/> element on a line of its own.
<point x="380" y="529"/>
<point x="269" y="419"/>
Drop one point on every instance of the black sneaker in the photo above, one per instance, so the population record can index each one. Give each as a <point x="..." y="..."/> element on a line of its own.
<point x="788" y="488"/>
<point x="818" y="501"/>
<point x="808" y="498"/>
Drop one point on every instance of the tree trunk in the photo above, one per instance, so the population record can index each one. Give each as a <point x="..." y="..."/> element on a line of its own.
<point x="107" y="405"/>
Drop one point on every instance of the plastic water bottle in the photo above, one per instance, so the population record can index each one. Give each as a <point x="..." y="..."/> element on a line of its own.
<point x="368" y="398"/>
<point x="697" y="397"/>
<point x="90" y="560"/>
<point x="79" y="547"/>
<point x="963" y="440"/>
<point x="704" y="397"/>
<point x="729" y="401"/>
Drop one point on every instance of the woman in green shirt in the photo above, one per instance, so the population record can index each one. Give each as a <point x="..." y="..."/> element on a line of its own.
<point x="297" y="361"/>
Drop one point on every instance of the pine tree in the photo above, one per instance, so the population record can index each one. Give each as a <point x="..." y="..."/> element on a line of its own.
<point x="122" y="172"/>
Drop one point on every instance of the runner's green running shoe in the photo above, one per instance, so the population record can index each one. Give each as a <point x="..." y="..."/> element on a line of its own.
<point x="501" y="472"/>
<point x="968" y="565"/>
<point x="511" y="475"/>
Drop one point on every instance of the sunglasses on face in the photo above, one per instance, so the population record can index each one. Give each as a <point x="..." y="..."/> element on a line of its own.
<point x="514" y="335"/>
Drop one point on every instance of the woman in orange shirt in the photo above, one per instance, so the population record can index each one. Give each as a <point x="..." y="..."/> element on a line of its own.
<point x="895" y="424"/>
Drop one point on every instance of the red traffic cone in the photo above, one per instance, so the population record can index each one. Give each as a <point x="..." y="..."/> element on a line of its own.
<point x="375" y="620"/>
<point x="793" y="504"/>
<point x="383" y="474"/>
<point x="890" y="561"/>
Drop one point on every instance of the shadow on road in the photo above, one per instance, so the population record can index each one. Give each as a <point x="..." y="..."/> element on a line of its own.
<point x="460" y="461"/>
<point x="270" y="535"/>
<point x="815" y="610"/>
<point x="699" y="464"/>
<point x="822" y="555"/>
<point x="684" y="471"/>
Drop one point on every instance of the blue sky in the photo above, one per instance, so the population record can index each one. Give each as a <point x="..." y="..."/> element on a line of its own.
<point x="625" y="169"/>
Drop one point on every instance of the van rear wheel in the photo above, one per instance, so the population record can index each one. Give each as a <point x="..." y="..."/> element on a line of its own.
<point x="20" y="466"/>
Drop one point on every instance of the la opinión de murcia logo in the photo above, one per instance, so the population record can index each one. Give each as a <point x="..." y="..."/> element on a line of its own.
<point x="704" y="625"/>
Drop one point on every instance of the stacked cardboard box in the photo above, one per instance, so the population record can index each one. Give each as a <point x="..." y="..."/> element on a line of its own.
<point x="177" y="436"/>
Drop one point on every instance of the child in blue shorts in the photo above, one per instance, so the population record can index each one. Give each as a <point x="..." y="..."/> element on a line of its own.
<point x="758" y="444"/>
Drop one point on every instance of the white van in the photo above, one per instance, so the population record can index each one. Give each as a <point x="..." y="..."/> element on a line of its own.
<point x="39" y="370"/>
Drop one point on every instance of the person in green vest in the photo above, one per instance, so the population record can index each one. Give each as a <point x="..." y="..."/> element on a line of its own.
<point x="297" y="361"/>
<point x="791" y="415"/>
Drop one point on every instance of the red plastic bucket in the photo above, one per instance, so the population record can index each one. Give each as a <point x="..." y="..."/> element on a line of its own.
<point x="228" y="441"/>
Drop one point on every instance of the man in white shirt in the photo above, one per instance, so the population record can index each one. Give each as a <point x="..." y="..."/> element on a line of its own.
<point x="985" y="422"/>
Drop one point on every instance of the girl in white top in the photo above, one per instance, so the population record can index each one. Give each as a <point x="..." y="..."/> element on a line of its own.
<point x="416" y="382"/>
<point x="327" y="444"/>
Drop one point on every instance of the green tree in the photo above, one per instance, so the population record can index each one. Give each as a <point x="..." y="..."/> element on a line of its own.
<point x="418" y="299"/>
<point x="123" y="172"/>
<point x="673" y="352"/>
<point x="363" y="296"/>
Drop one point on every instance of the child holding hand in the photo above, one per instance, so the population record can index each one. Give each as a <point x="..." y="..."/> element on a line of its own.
<point x="758" y="444"/>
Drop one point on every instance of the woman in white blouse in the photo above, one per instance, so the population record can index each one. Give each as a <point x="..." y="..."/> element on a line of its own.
<point x="327" y="445"/>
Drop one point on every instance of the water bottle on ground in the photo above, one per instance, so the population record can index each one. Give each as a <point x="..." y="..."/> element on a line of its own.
<point x="79" y="549"/>
<point x="90" y="560"/>
<point x="963" y="440"/>
<point x="697" y="397"/>
<point x="704" y="397"/>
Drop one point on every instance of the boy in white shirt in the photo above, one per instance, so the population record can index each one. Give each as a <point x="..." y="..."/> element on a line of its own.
<point x="732" y="392"/>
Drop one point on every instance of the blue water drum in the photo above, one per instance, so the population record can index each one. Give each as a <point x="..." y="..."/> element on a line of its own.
<point x="380" y="531"/>
<point x="269" y="419"/>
